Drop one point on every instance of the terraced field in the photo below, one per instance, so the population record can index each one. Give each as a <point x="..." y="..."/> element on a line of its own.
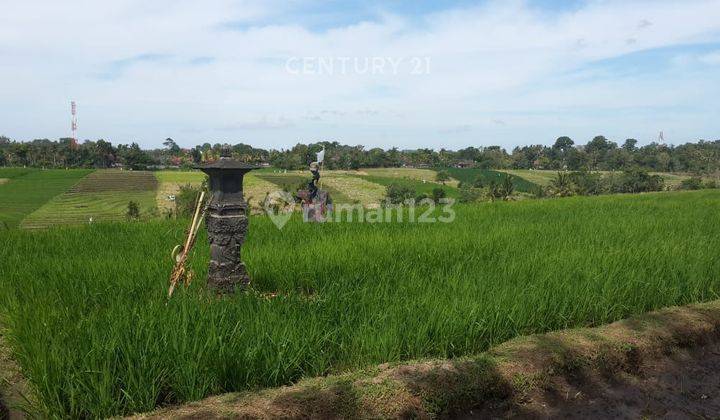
<point x="29" y="189"/>
<point x="366" y="186"/>
<point x="101" y="196"/>
<point x="291" y="181"/>
<point x="34" y="198"/>
<point x="169" y="183"/>
<point x="357" y="189"/>
<point x="255" y="189"/>
<point x="415" y="174"/>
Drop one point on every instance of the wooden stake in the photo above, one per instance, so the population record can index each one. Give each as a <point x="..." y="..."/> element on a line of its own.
<point x="179" y="271"/>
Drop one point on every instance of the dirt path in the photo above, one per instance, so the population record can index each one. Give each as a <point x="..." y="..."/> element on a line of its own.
<point x="686" y="384"/>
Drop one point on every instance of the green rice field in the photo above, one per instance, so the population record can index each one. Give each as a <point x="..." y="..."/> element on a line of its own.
<point x="419" y="186"/>
<point x="29" y="189"/>
<point x="87" y="319"/>
<point x="101" y="196"/>
<point x="545" y="177"/>
<point x="469" y="175"/>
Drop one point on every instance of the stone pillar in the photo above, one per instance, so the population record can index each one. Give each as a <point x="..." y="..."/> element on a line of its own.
<point x="226" y="234"/>
<point x="227" y="223"/>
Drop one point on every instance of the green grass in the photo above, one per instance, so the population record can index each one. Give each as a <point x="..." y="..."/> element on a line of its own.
<point x="28" y="190"/>
<point x="419" y="186"/>
<point x="11" y="172"/>
<point x="545" y="177"/>
<point x="539" y="177"/>
<point x="180" y="177"/>
<point x="88" y="321"/>
<point x="469" y="175"/>
<point x="102" y="196"/>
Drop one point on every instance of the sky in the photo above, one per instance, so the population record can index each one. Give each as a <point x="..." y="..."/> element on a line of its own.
<point x="407" y="74"/>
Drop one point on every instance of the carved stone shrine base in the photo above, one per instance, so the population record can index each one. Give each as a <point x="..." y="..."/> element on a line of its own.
<point x="226" y="235"/>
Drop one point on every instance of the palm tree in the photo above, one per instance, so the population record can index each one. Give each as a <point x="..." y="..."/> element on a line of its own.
<point x="562" y="185"/>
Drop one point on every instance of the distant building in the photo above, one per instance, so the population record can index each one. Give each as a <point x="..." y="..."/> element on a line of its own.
<point x="465" y="163"/>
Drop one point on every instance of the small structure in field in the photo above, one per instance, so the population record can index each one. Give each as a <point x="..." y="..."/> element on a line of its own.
<point x="227" y="223"/>
<point x="315" y="202"/>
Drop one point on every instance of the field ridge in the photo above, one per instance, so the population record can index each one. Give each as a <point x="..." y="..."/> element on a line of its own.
<point x="514" y="378"/>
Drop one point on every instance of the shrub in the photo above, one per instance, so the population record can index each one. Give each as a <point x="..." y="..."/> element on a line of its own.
<point x="479" y="182"/>
<point x="587" y="183"/>
<point x="469" y="194"/>
<point x="437" y="194"/>
<point x="562" y="185"/>
<point x="397" y="193"/>
<point x="442" y="176"/>
<point x="636" y="181"/>
<point x="507" y="187"/>
<point x="692" y="183"/>
<point x="133" y="210"/>
<point x="539" y="192"/>
<point x="186" y="199"/>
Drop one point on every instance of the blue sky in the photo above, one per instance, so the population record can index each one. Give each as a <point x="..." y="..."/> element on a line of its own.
<point x="379" y="73"/>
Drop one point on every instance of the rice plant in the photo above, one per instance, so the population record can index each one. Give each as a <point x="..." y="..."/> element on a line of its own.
<point x="87" y="318"/>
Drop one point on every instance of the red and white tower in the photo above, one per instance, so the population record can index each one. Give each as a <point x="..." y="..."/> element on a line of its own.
<point x="73" y="122"/>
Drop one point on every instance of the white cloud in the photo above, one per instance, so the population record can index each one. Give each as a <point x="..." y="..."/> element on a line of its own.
<point x="502" y="61"/>
<point x="712" y="58"/>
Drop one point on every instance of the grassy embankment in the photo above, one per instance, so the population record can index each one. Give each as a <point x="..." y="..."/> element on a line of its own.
<point x="28" y="189"/>
<point x="88" y="321"/>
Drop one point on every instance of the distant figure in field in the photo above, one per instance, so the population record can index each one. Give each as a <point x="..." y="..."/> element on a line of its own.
<point x="312" y="185"/>
<point x="315" y="202"/>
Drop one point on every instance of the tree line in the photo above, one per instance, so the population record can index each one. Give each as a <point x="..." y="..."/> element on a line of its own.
<point x="599" y="154"/>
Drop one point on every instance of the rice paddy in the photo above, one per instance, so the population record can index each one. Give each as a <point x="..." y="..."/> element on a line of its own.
<point x="100" y="197"/>
<point x="545" y="177"/>
<point x="422" y="175"/>
<point x="539" y="177"/>
<point x="29" y="189"/>
<point x="470" y="175"/>
<point x="88" y="321"/>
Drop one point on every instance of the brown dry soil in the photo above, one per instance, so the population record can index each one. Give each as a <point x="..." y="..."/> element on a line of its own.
<point x="664" y="364"/>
